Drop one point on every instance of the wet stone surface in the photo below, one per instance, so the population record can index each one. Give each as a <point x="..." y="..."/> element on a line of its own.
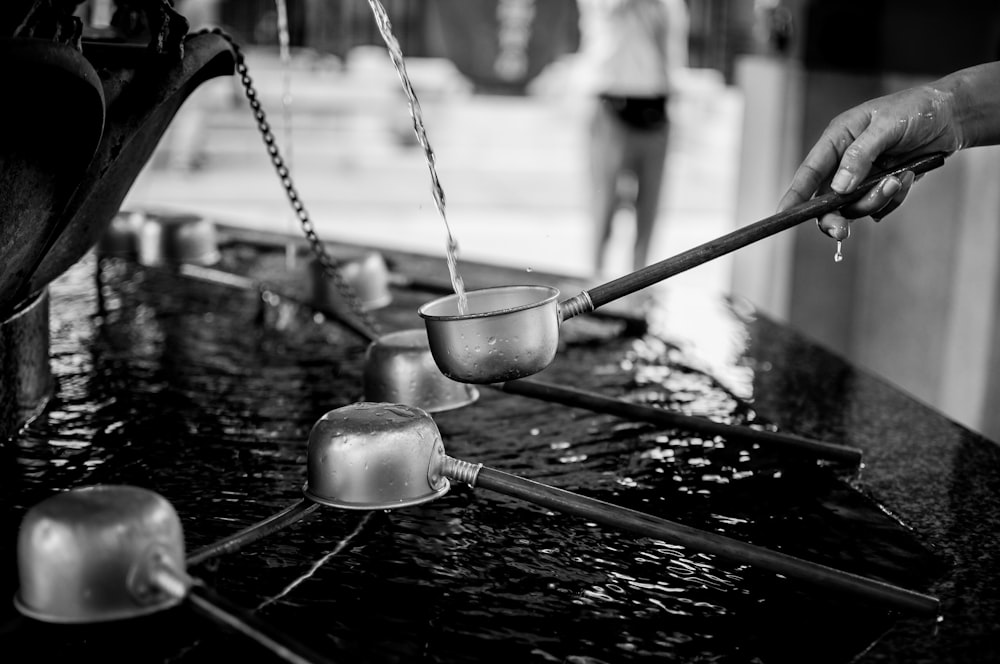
<point x="206" y="394"/>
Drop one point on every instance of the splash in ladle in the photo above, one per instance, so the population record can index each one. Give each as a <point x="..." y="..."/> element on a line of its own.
<point x="371" y="456"/>
<point x="510" y="332"/>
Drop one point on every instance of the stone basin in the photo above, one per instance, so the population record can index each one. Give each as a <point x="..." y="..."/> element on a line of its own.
<point x="207" y="394"/>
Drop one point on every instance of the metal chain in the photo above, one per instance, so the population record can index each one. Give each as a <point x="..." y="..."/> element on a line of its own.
<point x="330" y="268"/>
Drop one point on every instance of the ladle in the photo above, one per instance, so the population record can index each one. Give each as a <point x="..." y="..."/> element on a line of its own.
<point x="172" y="238"/>
<point x="546" y="392"/>
<point x="383" y="456"/>
<point x="367" y="275"/>
<point x="385" y="355"/>
<point x="423" y="385"/>
<point x="399" y="369"/>
<point x="112" y="552"/>
<point x="510" y="332"/>
<point x="635" y="323"/>
<point x="414" y="345"/>
<point x="432" y="392"/>
<point x="224" y="278"/>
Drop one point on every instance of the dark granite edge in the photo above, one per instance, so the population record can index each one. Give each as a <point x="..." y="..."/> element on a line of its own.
<point x="931" y="473"/>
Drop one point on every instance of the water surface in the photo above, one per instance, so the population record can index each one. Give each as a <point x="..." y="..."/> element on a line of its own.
<point x="206" y="394"/>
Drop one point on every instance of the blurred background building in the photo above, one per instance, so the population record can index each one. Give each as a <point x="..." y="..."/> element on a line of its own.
<point x="476" y="33"/>
<point x="915" y="299"/>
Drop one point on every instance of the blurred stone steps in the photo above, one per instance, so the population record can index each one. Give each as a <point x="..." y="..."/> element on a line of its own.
<point x="511" y="167"/>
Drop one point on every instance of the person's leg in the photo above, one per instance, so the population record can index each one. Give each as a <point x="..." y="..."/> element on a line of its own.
<point x="650" y="159"/>
<point x="607" y="151"/>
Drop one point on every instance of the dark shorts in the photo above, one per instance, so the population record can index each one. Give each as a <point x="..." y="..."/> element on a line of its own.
<point x="642" y="113"/>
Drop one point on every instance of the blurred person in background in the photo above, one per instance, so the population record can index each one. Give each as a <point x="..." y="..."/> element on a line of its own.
<point x="955" y="112"/>
<point x="629" y="52"/>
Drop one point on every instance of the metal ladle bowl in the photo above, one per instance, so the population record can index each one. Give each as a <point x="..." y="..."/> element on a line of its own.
<point x="365" y="272"/>
<point x="508" y="332"/>
<point x="383" y="456"/>
<point x="110" y="552"/>
<point x="87" y="555"/>
<point x="121" y="238"/>
<point x="399" y="368"/>
<point x="170" y="238"/>
<point x="370" y="456"/>
<point x="511" y="332"/>
<point x="159" y="238"/>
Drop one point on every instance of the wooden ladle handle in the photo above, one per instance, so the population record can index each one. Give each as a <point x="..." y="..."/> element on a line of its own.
<point x="630" y="283"/>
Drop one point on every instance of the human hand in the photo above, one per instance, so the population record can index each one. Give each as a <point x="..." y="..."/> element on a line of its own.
<point x="882" y="132"/>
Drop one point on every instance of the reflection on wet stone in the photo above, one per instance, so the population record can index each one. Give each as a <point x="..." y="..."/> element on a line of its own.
<point x="183" y="388"/>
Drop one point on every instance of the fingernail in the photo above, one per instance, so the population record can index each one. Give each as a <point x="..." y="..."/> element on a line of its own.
<point x="890" y="186"/>
<point x="835" y="227"/>
<point x="842" y="181"/>
<point x="840" y="232"/>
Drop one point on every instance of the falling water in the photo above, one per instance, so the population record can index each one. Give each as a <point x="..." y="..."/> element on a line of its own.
<point x="396" y="54"/>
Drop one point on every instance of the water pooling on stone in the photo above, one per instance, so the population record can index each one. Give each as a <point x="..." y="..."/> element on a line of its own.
<point x="396" y="55"/>
<point x="207" y="396"/>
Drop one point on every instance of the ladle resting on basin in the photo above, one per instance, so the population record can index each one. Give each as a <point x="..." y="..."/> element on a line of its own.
<point x="382" y="456"/>
<point x="510" y="332"/>
<point x="112" y="552"/>
<point x="399" y="369"/>
<point x="562" y="395"/>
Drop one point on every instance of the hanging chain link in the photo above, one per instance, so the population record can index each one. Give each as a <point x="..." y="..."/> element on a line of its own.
<point x="329" y="265"/>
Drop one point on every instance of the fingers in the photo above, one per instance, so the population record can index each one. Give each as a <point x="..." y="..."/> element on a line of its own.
<point x="905" y="182"/>
<point x="885" y="197"/>
<point x="812" y="174"/>
<point x="797" y="193"/>
<point x="872" y="202"/>
<point x="840" y="159"/>
<point x="880" y="133"/>
<point x="835" y="226"/>
<point x="855" y="164"/>
<point x="882" y="199"/>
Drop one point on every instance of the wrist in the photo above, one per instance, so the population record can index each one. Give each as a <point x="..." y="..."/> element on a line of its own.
<point x="969" y="101"/>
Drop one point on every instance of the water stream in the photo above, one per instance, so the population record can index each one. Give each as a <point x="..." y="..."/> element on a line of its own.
<point x="396" y="55"/>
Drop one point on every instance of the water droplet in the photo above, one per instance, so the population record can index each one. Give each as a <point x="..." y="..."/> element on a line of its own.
<point x="839" y="256"/>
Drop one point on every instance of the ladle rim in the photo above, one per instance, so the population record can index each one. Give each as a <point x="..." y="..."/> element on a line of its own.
<point x="110" y="616"/>
<point x="553" y="294"/>
<point x="368" y="507"/>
